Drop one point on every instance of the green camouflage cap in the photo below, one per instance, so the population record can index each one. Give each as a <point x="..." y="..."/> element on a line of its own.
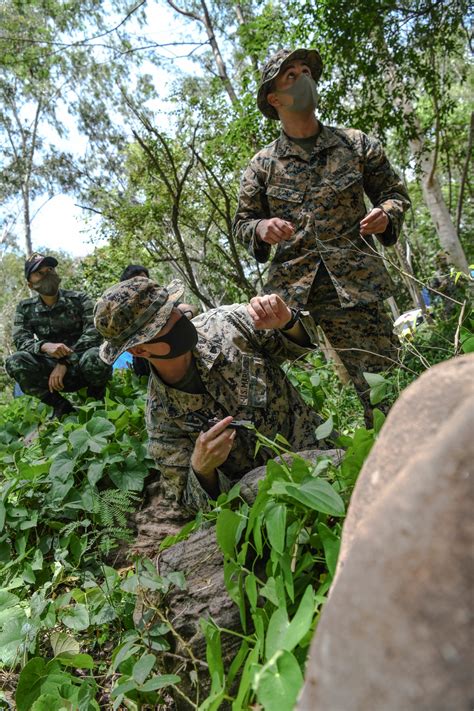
<point x="275" y="65"/>
<point x="133" y="312"/>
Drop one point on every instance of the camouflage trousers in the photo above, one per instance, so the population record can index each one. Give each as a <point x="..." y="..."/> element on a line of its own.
<point x="361" y="335"/>
<point x="32" y="372"/>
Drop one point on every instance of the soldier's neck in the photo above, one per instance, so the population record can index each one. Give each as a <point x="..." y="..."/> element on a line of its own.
<point x="298" y="125"/>
<point x="173" y="370"/>
<point x="49" y="300"/>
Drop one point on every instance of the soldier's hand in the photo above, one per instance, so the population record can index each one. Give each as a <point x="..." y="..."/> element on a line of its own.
<point x="56" y="377"/>
<point x="56" y="350"/>
<point x="212" y="448"/>
<point x="269" y="311"/>
<point x="374" y="223"/>
<point x="275" y="230"/>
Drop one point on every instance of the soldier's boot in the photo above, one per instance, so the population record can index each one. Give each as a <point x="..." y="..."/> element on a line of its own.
<point x="96" y="392"/>
<point x="60" y="405"/>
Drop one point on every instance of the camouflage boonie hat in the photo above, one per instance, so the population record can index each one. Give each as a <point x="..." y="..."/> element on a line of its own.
<point x="274" y="66"/>
<point x="36" y="261"/>
<point x="133" y="312"/>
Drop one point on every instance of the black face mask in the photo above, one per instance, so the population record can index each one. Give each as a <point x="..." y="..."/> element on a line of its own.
<point x="181" y="339"/>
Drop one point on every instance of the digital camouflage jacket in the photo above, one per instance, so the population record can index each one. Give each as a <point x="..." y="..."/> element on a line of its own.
<point x="69" y="320"/>
<point x="240" y="369"/>
<point x="322" y="194"/>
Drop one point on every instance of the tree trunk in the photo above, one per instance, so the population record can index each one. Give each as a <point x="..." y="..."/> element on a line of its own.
<point x="27" y="222"/>
<point x="434" y="199"/>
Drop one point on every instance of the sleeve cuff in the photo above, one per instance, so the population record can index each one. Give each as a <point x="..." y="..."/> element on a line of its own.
<point x="260" y="250"/>
<point x="390" y="236"/>
<point x="196" y="497"/>
<point x="37" y="347"/>
<point x="307" y="322"/>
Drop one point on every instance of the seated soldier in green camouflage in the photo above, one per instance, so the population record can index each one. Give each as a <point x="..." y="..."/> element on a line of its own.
<point x="58" y="346"/>
<point x="223" y="365"/>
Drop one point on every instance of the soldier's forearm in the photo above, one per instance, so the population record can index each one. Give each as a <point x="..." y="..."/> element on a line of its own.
<point x="209" y="482"/>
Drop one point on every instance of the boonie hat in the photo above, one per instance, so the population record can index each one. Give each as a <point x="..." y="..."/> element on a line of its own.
<point x="36" y="261"/>
<point x="275" y="65"/>
<point x="132" y="312"/>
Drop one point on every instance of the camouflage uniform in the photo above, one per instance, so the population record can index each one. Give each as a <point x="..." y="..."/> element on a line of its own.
<point x="240" y="369"/>
<point x="241" y="376"/>
<point x="327" y="266"/>
<point x="69" y="321"/>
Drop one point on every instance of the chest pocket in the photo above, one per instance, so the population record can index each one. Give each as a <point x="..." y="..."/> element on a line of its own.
<point x="348" y="182"/>
<point x="253" y="384"/>
<point x="285" y="193"/>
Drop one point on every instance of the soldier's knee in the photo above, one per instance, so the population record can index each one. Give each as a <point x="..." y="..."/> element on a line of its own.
<point x="93" y="367"/>
<point x="19" y="362"/>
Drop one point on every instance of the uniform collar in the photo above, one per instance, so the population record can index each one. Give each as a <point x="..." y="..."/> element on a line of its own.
<point x="60" y="300"/>
<point x="176" y="402"/>
<point x="286" y="147"/>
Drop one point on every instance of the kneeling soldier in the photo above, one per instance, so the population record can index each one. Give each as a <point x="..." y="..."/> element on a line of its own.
<point x="221" y="365"/>
<point x="58" y="346"/>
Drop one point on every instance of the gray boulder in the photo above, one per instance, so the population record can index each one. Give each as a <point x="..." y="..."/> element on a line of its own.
<point x="396" y="633"/>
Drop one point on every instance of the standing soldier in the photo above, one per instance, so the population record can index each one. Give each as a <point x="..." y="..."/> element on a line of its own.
<point x="304" y="193"/>
<point x="58" y="346"/>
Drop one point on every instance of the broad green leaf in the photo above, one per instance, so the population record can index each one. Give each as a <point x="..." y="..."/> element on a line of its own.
<point x="78" y="661"/>
<point x="378" y="393"/>
<point x="63" y="644"/>
<point x="51" y="702"/>
<point x="319" y="495"/>
<point x="325" y="429"/>
<point x="227" y="525"/>
<point x="129" y="479"/>
<point x="279" y="685"/>
<point x="374" y="379"/>
<point x="300" y="469"/>
<point x="7" y="600"/>
<point x="80" y="441"/>
<point x="125" y="652"/>
<point x="77" y="618"/>
<point x="269" y="591"/>
<point x="467" y="341"/>
<point x="301" y="622"/>
<point x="251" y="590"/>
<point x="213" y="654"/>
<point x="379" y="419"/>
<point x="275" y="521"/>
<point x="37" y="562"/>
<point x="331" y="544"/>
<point x="99" y="426"/>
<point x="36" y="678"/>
<point x="276" y="632"/>
<point x="62" y="467"/>
<point x="143" y="667"/>
<point x="159" y="682"/>
<point x="246" y="678"/>
<point x="12" y="636"/>
<point x="95" y="472"/>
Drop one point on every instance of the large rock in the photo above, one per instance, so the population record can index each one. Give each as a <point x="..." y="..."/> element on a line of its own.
<point x="396" y="633"/>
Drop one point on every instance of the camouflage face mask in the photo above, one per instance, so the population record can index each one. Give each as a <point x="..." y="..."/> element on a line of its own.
<point x="304" y="94"/>
<point x="49" y="284"/>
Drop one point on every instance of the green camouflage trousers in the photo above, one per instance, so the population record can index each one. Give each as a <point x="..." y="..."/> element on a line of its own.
<point x="32" y="372"/>
<point x="361" y="335"/>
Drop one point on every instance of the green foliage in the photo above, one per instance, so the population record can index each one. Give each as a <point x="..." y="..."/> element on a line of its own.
<point x="280" y="556"/>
